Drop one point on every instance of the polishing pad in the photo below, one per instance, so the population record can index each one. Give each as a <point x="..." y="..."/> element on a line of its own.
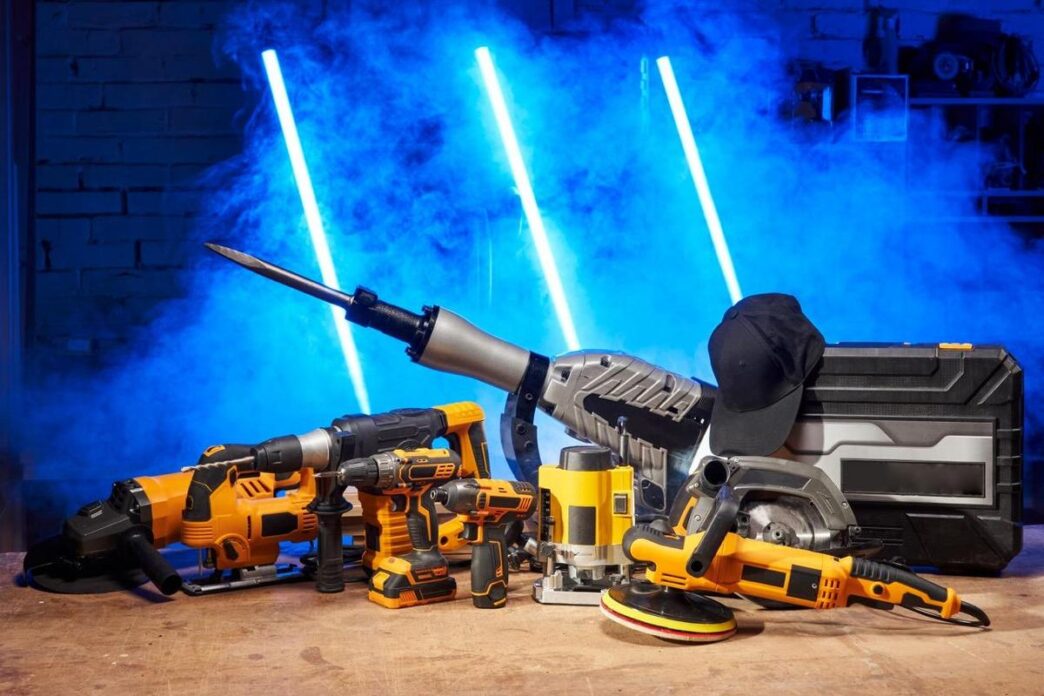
<point x="668" y="614"/>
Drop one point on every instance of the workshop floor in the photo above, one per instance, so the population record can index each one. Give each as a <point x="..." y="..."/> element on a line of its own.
<point x="292" y="640"/>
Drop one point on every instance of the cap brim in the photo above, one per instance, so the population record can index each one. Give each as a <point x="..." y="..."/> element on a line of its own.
<point x="753" y="433"/>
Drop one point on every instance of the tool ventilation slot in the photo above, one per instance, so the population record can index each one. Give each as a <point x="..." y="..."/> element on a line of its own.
<point x="197" y="534"/>
<point x="673" y="580"/>
<point x="254" y="488"/>
<point x="829" y="592"/>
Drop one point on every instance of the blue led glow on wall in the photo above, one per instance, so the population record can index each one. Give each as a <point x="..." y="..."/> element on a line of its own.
<point x="525" y="192"/>
<point x="699" y="177"/>
<point x="314" y="220"/>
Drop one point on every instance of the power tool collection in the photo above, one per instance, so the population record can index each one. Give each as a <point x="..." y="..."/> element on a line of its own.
<point x="776" y="485"/>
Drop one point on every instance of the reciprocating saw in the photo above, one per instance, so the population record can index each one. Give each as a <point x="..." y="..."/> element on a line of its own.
<point x="587" y="391"/>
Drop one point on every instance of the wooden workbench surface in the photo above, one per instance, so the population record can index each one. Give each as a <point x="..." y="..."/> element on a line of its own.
<point x="292" y="640"/>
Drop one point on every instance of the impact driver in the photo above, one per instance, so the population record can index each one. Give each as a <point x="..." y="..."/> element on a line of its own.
<point x="405" y="479"/>
<point x="489" y="508"/>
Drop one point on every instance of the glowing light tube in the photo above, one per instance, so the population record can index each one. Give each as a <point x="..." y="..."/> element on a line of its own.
<point x="525" y="192"/>
<point x="314" y="221"/>
<point x="699" y="178"/>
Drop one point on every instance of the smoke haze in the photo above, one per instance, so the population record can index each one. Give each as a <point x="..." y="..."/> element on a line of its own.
<point x="418" y="201"/>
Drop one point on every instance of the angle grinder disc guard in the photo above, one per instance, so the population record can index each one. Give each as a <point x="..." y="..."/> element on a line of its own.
<point x="668" y="614"/>
<point x="49" y="566"/>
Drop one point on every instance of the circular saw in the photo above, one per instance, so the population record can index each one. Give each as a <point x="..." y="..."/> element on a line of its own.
<point x="779" y="501"/>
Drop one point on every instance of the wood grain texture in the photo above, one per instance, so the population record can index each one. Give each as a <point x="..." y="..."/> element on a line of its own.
<point x="292" y="640"/>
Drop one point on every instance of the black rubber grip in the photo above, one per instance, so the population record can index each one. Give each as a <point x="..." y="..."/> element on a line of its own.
<point x="489" y="570"/>
<point x="423" y="529"/>
<point x="279" y="455"/>
<point x="477" y="437"/>
<point x="152" y="562"/>
<point x="329" y="575"/>
<point x="368" y="310"/>
<point x="882" y="572"/>
<point x="722" y="518"/>
<point x="206" y="479"/>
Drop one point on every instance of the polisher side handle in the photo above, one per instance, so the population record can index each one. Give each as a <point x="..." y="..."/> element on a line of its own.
<point x="722" y="517"/>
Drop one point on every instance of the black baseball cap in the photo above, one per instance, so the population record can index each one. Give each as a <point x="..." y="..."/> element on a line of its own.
<point x="761" y="353"/>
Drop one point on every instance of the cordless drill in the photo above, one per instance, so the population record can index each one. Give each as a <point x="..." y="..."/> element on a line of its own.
<point x="404" y="478"/>
<point x="489" y="508"/>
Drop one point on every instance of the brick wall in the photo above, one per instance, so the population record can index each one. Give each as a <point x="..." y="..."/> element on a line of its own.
<point x="131" y="107"/>
<point x="830" y="31"/>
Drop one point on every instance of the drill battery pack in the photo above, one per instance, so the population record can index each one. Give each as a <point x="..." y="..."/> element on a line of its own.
<point x="925" y="441"/>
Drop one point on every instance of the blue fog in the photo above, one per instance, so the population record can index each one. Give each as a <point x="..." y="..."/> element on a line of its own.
<point x="419" y="204"/>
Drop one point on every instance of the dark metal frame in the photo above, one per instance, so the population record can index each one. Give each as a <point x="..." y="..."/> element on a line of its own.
<point x="16" y="186"/>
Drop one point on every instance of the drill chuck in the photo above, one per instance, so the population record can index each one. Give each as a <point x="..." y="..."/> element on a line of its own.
<point x="461" y="497"/>
<point x="291" y="453"/>
<point x="376" y="471"/>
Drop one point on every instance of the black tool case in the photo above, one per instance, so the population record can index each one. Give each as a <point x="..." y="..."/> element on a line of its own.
<point x="925" y="441"/>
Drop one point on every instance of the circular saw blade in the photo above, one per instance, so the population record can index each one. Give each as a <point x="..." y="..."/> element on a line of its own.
<point x="787" y="521"/>
<point x="49" y="565"/>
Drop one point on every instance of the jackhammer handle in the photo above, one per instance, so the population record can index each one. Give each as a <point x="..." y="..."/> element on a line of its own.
<point x="152" y="562"/>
